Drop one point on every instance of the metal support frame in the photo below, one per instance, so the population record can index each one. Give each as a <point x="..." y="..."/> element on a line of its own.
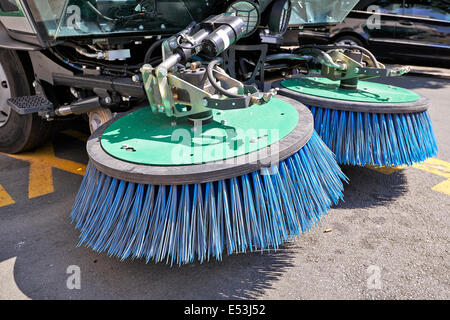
<point x="230" y="58"/>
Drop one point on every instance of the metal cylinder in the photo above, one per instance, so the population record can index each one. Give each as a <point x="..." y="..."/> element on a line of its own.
<point x="79" y="107"/>
<point x="170" y="62"/>
<point x="222" y="37"/>
<point x="196" y="38"/>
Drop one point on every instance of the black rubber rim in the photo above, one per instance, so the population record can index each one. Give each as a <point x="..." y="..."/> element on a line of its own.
<point x="209" y="172"/>
<point x="388" y="108"/>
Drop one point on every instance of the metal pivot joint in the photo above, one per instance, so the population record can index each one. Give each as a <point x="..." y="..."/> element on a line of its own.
<point x="348" y="64"/>
<point x="178" y="88"/>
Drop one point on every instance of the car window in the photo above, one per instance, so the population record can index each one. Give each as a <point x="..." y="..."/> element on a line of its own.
<point x="428" y="9"/>
<point x="384" y="6"/>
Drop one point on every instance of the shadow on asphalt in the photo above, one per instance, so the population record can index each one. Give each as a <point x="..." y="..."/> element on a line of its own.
<point x="369" y="188"/>
<point x="44" y="243"/>
<point x="49" y="247"/>
<point x="240" y="276"/>
<point x="40" y="235"/>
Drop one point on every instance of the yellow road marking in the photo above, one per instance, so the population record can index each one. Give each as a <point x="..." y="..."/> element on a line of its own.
<point x="40" y="180"/>
<point x="438" y="167"/>
<point x="76" y="134"/>
<point x="432" y="165"/>
<point x="443" y="187"/>
<point x="41" y="163"/>
<point x="385" y="170"/>
<point x="5" y="198"/>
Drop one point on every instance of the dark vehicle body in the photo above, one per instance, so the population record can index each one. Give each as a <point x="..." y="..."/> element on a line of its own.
<point x="398" y="31"/>
<point x="70" y="59"/>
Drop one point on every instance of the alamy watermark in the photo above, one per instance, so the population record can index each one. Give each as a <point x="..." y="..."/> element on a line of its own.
<point x="374" y="281"/>
<point x="73" y="282"/>
<point x="231" y="146"/>
<point x="74" y="17"/>
<point x="374" y="21"/>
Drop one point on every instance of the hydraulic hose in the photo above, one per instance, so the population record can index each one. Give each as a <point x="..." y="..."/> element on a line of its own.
<point x="344" y="46"/>
<point x="321" y="56"/>
<point x="213" y="80"/>
<point x="285" y="56"/>
<point x="152" y="48"/>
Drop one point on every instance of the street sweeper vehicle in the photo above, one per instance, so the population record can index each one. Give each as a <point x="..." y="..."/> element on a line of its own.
<point x="193" y="154"/>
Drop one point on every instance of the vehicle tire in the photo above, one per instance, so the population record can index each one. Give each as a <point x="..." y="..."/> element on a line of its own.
<point x="349" y="40"/>
<point x="17" y="132"/>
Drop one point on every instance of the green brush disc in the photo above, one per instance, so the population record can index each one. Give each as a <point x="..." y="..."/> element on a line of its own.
<point x="144" y="147"/>
<point x="368" y="97"/>
<point x="370" y="92"/>
<point x="153" y="139"/>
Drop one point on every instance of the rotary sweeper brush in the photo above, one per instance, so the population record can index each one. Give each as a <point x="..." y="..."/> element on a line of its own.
<point x="189" y="160"/>
<point x="212" y="166"/>
<point x="362" y="122"/>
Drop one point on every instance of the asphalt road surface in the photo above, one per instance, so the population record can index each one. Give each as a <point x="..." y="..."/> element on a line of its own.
<point x="388" y="240"/>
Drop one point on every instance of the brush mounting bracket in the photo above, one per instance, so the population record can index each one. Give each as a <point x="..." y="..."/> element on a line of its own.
<point x="349" y="64"/>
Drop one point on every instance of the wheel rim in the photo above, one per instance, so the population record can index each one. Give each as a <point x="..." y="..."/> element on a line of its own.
<point x="5" y="94"/>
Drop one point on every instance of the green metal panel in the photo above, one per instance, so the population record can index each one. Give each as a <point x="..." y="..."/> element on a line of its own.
<point x="153" y="139"/>
<point x="370" y="92"/>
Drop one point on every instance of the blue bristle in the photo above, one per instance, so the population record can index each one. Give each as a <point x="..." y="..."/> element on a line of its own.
<point x="376" y="139"/>
<point x="181" y="224"/>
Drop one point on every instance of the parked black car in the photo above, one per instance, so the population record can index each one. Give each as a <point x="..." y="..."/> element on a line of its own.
<point x="396" y="31"/>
